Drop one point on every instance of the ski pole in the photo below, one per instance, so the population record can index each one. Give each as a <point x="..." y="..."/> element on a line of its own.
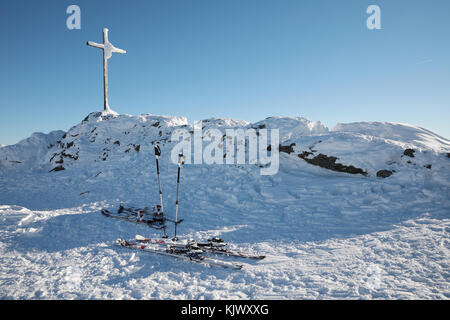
<point x="180" y="157"/>
<point x="157" y="154"/>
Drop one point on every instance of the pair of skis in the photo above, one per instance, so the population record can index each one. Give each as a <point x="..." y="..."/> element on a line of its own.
<point x="142" y="211"/>
<point x="180" y="252"/>
<point x="192" y="251"/>
<point x="136" y="215"/>
<point x="214" y="245"/>
<point x="135" y="219"/>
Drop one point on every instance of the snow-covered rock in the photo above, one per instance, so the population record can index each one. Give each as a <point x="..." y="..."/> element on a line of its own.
<point x="103" y="136"/>
<point x="406" y="135"/>
<point x="30" y="152"/>
<point x="369" y="153"/>
<point x="221" y="123"/>
<point x="291" y="127"/>
<point x="370" y="147"/>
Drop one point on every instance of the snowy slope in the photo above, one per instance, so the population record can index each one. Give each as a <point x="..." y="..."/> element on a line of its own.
<point x="326" y="234"/>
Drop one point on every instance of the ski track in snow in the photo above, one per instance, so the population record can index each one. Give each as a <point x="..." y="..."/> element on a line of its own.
<point x="326" y="235"/>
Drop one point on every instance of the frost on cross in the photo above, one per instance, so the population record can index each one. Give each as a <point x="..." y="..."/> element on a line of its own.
<point x="108" y="50"/>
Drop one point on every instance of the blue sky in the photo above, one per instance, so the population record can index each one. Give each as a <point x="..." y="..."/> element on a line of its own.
<point x="244" y="59"/>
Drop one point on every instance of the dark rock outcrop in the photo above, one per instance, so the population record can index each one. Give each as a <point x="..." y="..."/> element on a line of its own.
<point x="305" y="154"/>
<point x="58" y="168"/>
<point x="286" y="149"/>
<point x="409" y="153"/>
<point x="68" y="155"/>
<point x="384" y="173"/>
<point x="327" y="162"/>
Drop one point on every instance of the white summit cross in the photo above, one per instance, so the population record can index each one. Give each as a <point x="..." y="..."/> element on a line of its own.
<point x="108" y="49"/>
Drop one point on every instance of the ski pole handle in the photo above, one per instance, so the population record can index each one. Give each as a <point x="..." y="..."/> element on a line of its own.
<point x="157" y="150"/>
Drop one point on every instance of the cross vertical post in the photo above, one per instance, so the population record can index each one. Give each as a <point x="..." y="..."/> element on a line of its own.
<point x="105" y="73"/>
<point x="108" y="49"/>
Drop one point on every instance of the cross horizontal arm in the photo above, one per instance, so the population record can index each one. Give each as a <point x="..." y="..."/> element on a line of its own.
<point x="96" y="45"/>
<point x="119" y="50"/>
